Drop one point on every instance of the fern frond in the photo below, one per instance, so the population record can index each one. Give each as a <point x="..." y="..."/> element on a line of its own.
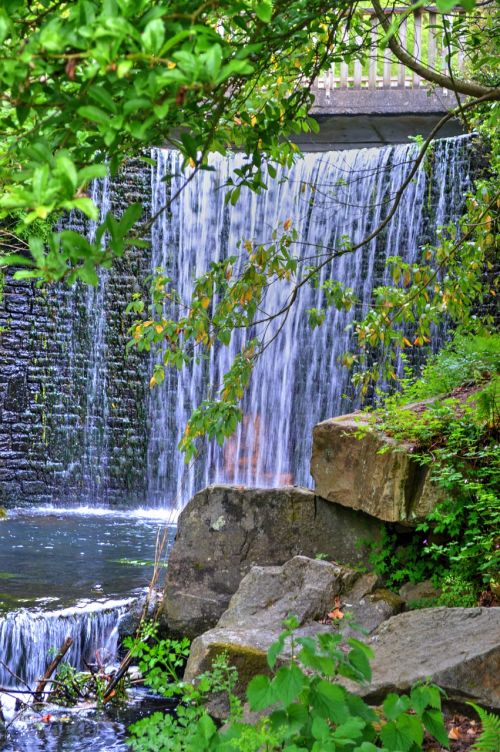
<point x="489" y="740"/>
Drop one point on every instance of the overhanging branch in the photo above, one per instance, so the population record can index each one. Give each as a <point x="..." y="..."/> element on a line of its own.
<point x="468" y="88"/>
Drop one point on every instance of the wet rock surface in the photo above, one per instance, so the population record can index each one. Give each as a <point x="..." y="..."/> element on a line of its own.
<point x="225" y="530"/>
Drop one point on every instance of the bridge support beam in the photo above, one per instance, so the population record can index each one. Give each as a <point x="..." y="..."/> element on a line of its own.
<point x="359" y="131"/>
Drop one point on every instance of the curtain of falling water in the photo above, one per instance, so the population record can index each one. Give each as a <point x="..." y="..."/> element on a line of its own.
<point x="329" y="196"/>
<point x="95" y="433"/>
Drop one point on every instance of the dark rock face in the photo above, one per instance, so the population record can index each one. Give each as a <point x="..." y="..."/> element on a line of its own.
<point x="45" y="350"/>
<point x="225" y="530"/>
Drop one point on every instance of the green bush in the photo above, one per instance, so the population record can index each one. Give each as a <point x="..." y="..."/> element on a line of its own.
<point x="458" y="545"/>
<point x="302" y="708"/>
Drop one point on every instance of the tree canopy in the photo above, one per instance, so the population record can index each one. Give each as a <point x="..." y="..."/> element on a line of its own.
<point x="90" y="84"/>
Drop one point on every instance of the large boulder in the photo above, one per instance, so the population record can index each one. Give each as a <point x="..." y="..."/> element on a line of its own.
<point x="304" y="587"/>
<point x="225" y="530"/>
<point x="457" y="648"/>
<point x="375" y="474"/>
<point x="307" y="588"/>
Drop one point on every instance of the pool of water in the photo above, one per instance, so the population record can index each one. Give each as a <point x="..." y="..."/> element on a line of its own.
<point x="71" y="571"/>
<point x="80" y="730"/>
<point x="53" y="558"/>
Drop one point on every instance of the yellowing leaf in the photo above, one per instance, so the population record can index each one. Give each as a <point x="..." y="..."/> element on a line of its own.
<point x="287" y="224"/>
<point x="205" y="302"/>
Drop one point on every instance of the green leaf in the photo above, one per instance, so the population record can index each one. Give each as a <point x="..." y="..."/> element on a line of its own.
<point x="95" y="114"/>
<point x="206" y="728"/>
<point x="277" y="646"/>
<point x="130" y="217"/>
<point x="153" y="36"/>
<point x="88" y="274"/>
<point x="446" y="5"/>
<point x="213" y="61"/>
<point x="350" y="731"/>
<point x="320" y="728"/>
<point x="402" y="734"/>
<point x="425" y="696"/>
<point x="4" y="25"/>
<point x="100" y="95"/>
<point x="15" y="259"/>
<point x="434" y="723"/>
<point x="91" y="172"/>
<point x="329" y="701"/>
<point x="259" y="693"/>
<point x="264" y="10"/>
<point x="288" y="683"/>
<point x="66" y="168"/>
<point x="394" y="706"/>
<point x="87" y="206"/>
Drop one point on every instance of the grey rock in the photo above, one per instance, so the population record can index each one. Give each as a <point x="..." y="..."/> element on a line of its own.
<point x="267" y="595"/>
<point x="225" y="530"/>
<point x="246" y="650"/>
<point x="370" y="605"/>
<point x="304" y="587"/>
<point x="353" y="472"/>
<point x="417" y="591"/>
<point x="457" y="648"/>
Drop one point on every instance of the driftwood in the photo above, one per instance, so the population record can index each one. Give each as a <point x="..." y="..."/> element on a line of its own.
<point x="122" y="670"/>
<point x="37" y="695"/>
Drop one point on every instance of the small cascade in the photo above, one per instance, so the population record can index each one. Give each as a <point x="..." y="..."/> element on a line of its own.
<point x="329" y="197"/>
<point x="28" y="638"/>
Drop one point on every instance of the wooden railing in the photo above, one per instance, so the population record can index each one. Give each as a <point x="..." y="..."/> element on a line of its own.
<point x="422" y="33"/>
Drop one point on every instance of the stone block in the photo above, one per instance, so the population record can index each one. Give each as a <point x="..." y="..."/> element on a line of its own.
<point x="225" y="530"/>
<point x="374" y="474"/>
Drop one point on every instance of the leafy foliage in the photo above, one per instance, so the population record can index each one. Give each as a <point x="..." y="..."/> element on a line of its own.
<point x="159" y="660"/>
<point x="87" y="85"/>
<point x="458" y="544"/>
<point x="489" y="741"/>
<point x="303" y="709"/>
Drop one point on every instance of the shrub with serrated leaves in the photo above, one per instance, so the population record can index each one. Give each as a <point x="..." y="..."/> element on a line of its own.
<point x="301" y="705"/>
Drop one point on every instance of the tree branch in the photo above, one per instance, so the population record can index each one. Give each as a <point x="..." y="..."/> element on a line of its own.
<point x="469" y="88"/>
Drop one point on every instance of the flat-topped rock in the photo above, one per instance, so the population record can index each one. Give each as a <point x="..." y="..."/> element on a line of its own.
<point x="457" y="648"/>
<point x="375" y="474"/>
<point x="225" y="530"/>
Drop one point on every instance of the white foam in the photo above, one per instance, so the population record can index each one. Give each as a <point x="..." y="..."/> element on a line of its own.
<point x="168" y="516"/>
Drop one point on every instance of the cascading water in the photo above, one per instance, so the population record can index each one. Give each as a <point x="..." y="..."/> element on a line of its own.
<point x="329" y="197"/>
<point x="27" y="639"/>
<point x="95" y="431"/>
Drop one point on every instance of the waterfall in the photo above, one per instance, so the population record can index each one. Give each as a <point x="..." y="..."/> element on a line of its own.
<point x="28" y="639"/>
<point x="79" y="423"/>
<point x="96" y="426"/>
<point x="328" y="197"/>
